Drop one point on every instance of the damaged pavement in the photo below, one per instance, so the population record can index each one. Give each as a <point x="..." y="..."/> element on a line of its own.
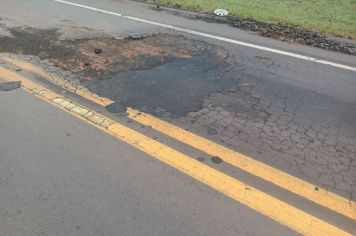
<point x="207" y="90"/>
<point x="296" y="116"/>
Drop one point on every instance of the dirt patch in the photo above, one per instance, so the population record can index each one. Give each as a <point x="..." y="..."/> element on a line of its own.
<point x="125" y="54"/>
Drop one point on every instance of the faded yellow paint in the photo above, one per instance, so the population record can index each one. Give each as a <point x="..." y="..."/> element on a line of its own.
<point x="276" y="209"/>
<point x="26" y="83"/>
<point x="291" y="183"/>
<point x="303" y="188"/>
<point x="83" y="92"/>
<point x="280" y="211"/>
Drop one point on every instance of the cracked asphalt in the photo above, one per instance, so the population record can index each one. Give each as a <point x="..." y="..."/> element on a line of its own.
<point x="297" y="116"/>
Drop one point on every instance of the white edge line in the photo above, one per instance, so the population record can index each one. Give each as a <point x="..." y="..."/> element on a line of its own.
<point x="193" y="32"/>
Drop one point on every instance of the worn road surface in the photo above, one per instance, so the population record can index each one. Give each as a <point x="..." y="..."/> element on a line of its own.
<point x="133" y="120"/>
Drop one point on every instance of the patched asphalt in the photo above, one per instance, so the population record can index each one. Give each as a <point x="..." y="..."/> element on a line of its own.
<point x="294" y="115"/>
<point x="256" y="104"/>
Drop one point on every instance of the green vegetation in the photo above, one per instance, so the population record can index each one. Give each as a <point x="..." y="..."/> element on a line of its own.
<point x="335" y="17"/>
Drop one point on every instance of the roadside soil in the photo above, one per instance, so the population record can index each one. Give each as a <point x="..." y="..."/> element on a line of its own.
<point x="277" y="31"/>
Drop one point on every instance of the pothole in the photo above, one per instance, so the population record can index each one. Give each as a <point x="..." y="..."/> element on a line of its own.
<point x="161" y="72"/>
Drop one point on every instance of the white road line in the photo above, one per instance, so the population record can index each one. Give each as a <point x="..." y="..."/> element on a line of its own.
<point x="193" y="32"/>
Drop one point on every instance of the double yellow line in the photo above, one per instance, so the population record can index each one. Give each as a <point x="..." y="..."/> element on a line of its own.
<point x="272" y="207"/>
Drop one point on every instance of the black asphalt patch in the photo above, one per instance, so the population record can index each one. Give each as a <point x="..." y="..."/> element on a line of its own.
<point x="8" y="86"/>
<point x="177" y="87"/>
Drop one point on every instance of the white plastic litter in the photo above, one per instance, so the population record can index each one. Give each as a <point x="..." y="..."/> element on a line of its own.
<point x="221" y="12"/>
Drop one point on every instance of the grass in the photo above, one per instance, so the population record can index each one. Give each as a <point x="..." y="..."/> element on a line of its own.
<point x="334" y="17"/>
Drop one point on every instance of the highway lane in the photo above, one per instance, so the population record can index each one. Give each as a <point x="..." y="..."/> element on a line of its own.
<point x="292" y="114"/>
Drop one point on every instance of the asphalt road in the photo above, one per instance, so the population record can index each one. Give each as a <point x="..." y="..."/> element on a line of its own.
<point x="60" y="175"/>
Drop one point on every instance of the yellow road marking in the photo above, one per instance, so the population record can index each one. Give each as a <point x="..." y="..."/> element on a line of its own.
<point x="84" y="92"/>
<point x="291" y="183"/>
<point x="272" y="207"/>
<point x="266" y="172"/>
